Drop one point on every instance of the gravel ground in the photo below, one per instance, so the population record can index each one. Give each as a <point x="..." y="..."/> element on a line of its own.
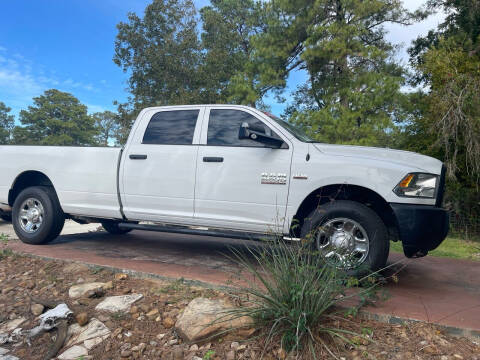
<point x="147" y="330"/>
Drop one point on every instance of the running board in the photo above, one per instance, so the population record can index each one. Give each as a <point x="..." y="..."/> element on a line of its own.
<point x="201" y="231"/>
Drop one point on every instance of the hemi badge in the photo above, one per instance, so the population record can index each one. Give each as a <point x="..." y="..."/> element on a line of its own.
<point x="300" y="176"/>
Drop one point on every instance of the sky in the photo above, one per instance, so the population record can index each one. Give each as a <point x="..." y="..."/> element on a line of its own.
<point x="69" y="45"/>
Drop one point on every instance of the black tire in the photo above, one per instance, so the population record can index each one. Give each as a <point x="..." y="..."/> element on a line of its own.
<point x="6" y="217"/>
<point x="53" y="217"/>
<point x="111" y="226"/>
<point x="379" y="245"/>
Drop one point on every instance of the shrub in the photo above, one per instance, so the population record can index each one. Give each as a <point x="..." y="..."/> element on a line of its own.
<point x="291" y="293"/>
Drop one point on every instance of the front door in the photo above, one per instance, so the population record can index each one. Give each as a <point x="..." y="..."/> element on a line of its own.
<point x="241" y="183"/>
<point x="159" y="166"/>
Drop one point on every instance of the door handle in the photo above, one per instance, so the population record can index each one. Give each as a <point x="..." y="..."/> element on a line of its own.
<point x="137" y="157"/>
<point x="212" y="159"/>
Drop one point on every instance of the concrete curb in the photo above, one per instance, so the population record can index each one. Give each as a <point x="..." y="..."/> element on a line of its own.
<point x="391" y="319"/>
<point x="384" y="318"/>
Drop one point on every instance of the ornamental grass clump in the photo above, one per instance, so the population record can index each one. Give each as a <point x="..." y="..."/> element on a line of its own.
<point x="292" y="293"/>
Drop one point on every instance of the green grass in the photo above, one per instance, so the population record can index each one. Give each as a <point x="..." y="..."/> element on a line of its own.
<point x="451" y="247"/>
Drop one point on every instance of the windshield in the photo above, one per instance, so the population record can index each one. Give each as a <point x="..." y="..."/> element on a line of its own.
<point x="294" y="130"/>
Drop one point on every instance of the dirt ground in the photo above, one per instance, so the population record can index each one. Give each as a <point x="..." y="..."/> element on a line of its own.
<point x="147" y="331"/>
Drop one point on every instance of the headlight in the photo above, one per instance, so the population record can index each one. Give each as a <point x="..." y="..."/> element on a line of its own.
<point x="417" y="185"/>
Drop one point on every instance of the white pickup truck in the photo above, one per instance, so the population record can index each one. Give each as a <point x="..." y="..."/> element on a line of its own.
<point x="225" y="170"/>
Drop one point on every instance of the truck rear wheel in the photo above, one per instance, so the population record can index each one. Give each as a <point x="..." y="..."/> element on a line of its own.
<point x="37" y="216"/>
<point x="350" y="235"/>
<point x="111" y="226"/>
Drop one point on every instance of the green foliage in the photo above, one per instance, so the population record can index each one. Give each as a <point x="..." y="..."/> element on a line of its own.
<point x="209" y="355"/>
<point x="291" y="293"/>
<point x="4" y="239"/>
<point x="353" y="89"/>
<point x="228" y="28"/>
<point x="7" y="123"/>
<point x="451" y="247"/>
<point x="161" y="51"/>
<point x="447" y="122"/>
<point x="107" y="125"/>
<point x="56" y="118"/>
<point x="454" y="104"/>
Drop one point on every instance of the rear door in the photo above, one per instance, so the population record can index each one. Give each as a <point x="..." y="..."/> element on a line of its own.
<point x="241" y="184"/>
<point x="158" y="172"/>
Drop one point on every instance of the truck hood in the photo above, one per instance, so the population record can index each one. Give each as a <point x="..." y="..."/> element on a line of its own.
<point x="416" y="162"/>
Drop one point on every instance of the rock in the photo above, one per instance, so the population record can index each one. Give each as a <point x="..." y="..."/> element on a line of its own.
<point x="200" y="319"/>
<point x="95" y="293"/>
<point x="234" y="345"/>
<point x="84" y="301"/>
<point x="6" y="290"/>
<point x="152" y="313"/>
<point x="118" y="303"/>
<point x="29" y="284"/>
<point x="126" y="353"/>
<point x="3" y="351"/>
<point x="194" y="347"/>
<point x="91" y="343"/>
<point x="8" y="357"/>
<point x="125" y="346"/>
<point x="121" y="276"/>
<point x="74" y="268"/>
<point x="80" y="290"/>
<point x="74" y="353"/>
<point x="12" y="325"/>
<point x="78" y="334"/>
<point x="168" y="323"/>
<point x="37" y="309"/>
<point x="177" y="353"/>
<point x="139" y="348"/>
<point x="82" y="318"/>
<point x="160" y="336"/>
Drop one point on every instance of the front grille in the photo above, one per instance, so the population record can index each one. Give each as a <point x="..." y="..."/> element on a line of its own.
<point x="441" y="187"/>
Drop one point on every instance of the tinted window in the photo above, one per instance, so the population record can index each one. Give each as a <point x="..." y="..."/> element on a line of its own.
<point x="224" y="126"/>
<point x="171" y="127"/>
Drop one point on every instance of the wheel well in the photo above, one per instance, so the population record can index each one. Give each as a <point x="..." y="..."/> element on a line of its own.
<point x="25" y="180"/>
<point x="345" y="192"/>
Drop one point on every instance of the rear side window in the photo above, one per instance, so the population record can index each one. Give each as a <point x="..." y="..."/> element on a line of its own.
<point x="171" y="128"/>
<point x="224" y="126"/>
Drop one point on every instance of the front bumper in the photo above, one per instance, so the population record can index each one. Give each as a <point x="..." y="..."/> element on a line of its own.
<point x="421" y="227"/>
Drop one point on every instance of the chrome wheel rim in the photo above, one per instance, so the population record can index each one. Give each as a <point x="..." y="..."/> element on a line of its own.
<point x="343" y="241"/>
<point x="31" y="215"/>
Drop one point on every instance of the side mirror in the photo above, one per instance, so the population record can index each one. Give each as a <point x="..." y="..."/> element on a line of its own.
<point x="247" y="132"/>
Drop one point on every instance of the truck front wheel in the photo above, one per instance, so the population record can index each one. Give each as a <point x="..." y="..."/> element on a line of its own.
<point x="349" y="235"/>
<point x="37" y="216"/>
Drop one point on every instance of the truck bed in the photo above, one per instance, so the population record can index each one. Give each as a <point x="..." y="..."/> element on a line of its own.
<point x="85" y="178"/>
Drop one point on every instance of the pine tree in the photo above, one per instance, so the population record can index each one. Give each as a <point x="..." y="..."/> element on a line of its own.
<point x="56" y="118"/>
